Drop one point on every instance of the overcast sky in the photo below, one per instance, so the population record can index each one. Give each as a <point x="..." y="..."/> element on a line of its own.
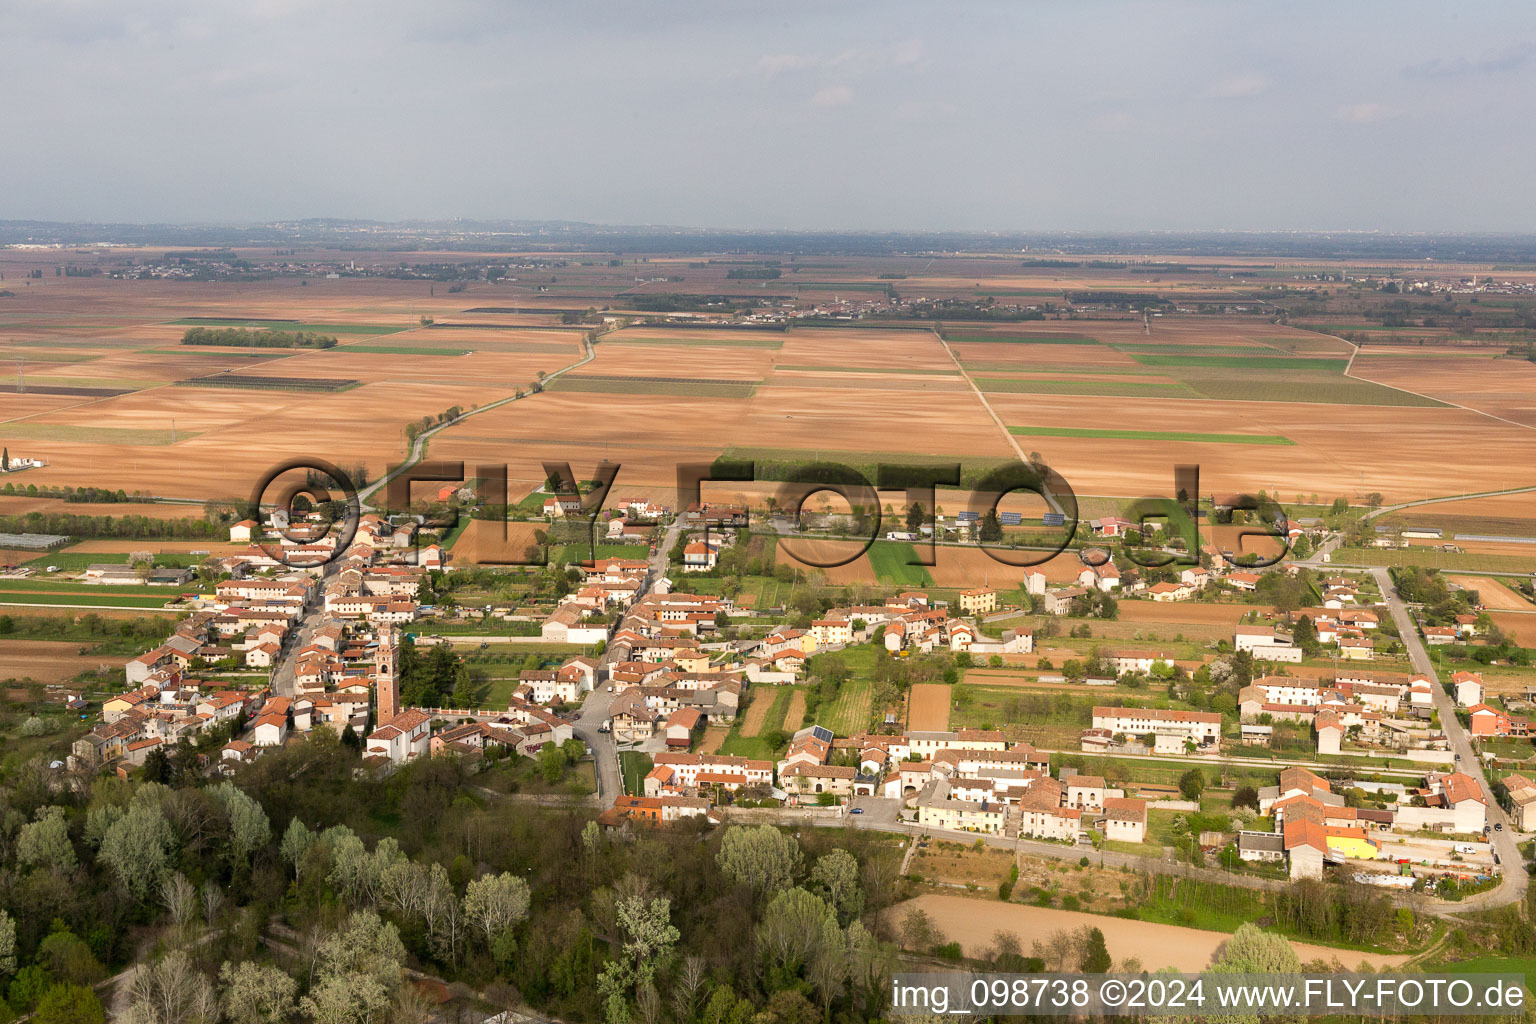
<point x="827" y="115"/>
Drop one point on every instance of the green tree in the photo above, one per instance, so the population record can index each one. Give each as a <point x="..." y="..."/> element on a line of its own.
<point x="495" y="904"/>
<point x="136" y="848"/>
<point x="1251" y="950"/>
<point x="69" y="1004"/>
<point x="991" y="528"/>
<point x="249" y="829"/>
<point x="836" y="877"/>
<point x="763" y="858"/>
<point x="1192" y="784"/>
<point x="1096" y="959"/>
<point x="7" y="944"/>
<point x="916" y="517"/>
<point x="44" y="842"/>
<point x="358" y="971"/>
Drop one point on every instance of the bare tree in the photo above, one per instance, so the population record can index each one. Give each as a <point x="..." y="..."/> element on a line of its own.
<point x="213" y="900"/>
<point x="686" y="990"/>
<point x="172" y="991"/>
<point x="179" y="897"/>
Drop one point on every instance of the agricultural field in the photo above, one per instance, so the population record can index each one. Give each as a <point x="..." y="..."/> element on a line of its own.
<point x="928" y="707"/>
<point x="51" y="661"/>
<point x="1110" y="403"/>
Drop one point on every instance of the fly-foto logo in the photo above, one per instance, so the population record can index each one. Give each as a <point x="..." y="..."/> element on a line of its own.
<point x="315" y="509"/>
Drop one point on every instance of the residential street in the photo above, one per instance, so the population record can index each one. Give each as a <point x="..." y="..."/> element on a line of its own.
<point x="594" y="710"/>
<point x="1512" y="888"/>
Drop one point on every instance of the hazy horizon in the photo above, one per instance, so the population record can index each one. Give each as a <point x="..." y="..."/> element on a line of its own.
<point x="854" y="116"/>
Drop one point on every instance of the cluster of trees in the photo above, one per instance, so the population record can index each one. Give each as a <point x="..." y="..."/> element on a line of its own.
<point x="128" y="527"/>
<point x="134" y="633"/>
<point x="1426" y="587"/>
<point x="436" y="679"/>
<point x="81" y="495"/>
<point x="306" y="889"/>
<point x="1097" y="604"/>
<point x="240" y="338"/>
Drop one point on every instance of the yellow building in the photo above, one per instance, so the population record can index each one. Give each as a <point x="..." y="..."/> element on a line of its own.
<point x="981" y="601"/>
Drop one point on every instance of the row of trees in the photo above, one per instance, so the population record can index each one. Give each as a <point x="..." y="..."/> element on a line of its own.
<point x="239" y="338"/>
<point x="126" y="527"/>
<point x="82" y="495"/>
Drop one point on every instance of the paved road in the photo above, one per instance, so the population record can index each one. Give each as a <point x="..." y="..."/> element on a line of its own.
<point x="283" y="671"/>
<point x="885" y="821"/>
<point x="1512" y="888"/>
<point x="594" y="709"/>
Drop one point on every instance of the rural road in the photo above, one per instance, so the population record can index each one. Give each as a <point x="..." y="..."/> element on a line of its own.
<point x="1514" y="879"/>
<point x="1333" y="542"/>
<point x="419" y="446"/>
<point x="981" y="397"/>
<point x="877" y="822"/>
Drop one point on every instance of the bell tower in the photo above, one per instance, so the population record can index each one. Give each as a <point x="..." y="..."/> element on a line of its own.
<point x="386" y="676"/>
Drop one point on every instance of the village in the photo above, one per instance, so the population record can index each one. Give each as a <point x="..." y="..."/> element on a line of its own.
<point x="1375" y="777"/>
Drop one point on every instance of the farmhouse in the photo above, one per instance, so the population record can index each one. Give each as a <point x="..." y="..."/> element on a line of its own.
<point x="1468" y="687"/>
<point x="1042" y="816"/>
<point x="1202" y="728"/>
<point x="1128" y="661"/>
<point x="1125" y="820"/>
<point x="937" y="808"/>
<point x="1522" y="799"/>
<point x="980" y="601"/>
<point x="1265" y="644"/>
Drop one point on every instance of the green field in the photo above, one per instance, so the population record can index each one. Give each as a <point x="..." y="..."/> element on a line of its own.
<point x="1257" y="362"/>
<point x="889" y="559"/>
<point x="1111" y="388"/>
<point x="1024" y="365"/>
<point x="569" y="553"/>
<point x="79" y="600"/>
<point x="870" y="369"/>
<point x="95" y="435"/>
<point x="701" y="342"/>
<point x="634" y="766"/>
<point x="642" y="386"/>
<point x="1185" y="349"/>
<point x="293" y="328"/>
<point x="402" y="350"/>
<point x="74" y="560"/>
<point x="1150" y="435"/>
<point x="54" y="585"/>
<point x="737" y="745"/>
<point x="1331" y="389"/>
<point x="1024" y="339"/>
<point x="850" y="713"/>
<point x="1430" y="559"/>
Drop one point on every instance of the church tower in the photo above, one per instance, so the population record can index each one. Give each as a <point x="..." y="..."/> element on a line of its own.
<point x="386" y="676"/>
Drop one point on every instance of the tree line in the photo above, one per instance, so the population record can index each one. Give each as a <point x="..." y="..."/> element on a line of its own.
<point x="237" y="337"/>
